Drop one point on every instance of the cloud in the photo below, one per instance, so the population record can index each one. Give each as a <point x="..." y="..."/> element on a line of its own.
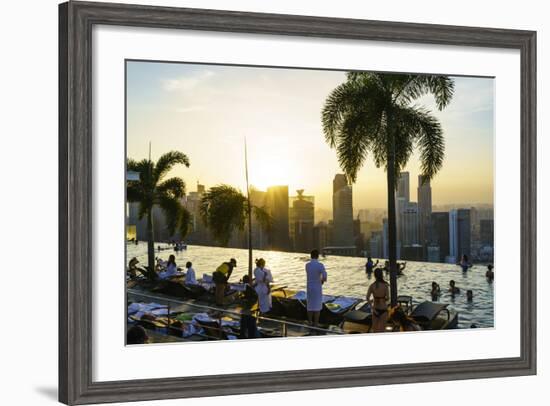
<point x="186" y="83"/>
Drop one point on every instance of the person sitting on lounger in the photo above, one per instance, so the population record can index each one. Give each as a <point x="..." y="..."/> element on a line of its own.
<point x="453" y="290"/>
<point x="380" y="292"/>
<point x="171" y="268"/>
<point x="401" y="320"/>
<point x="190" y="278"/>
<point x="132" y="267"/>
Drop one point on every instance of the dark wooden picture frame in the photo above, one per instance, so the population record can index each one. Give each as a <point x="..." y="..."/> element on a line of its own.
<point x="76" y="20"/>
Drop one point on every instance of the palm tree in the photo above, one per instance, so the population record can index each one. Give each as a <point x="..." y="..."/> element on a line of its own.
<point x="224" y="209"/>
<point x="153" y="190"/>
<point x="374" y="113"/>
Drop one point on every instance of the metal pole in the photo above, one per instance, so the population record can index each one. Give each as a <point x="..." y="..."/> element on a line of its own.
<point x="249" y="214"/>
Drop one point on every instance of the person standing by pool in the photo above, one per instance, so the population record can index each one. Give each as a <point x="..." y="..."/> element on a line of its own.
<point x="316" y="276"/>
<point x="370" y="265"/>
<point x="220" y="277"/>
<point x="263" y="278"/>
<point x="380" y="292"/>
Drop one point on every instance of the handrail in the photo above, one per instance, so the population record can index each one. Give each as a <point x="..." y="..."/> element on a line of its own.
<point x="201" y="306"/>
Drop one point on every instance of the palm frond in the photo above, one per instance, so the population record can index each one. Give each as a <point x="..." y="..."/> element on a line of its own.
<point x="171" y="208"/>
<point x="167" y="161"/>
<point x="174" y="187"/>
<point x="427" y="132"/>
<point x="222" y="209"/>
<point x="411" y="87"/>
<point x="262" y="216"/>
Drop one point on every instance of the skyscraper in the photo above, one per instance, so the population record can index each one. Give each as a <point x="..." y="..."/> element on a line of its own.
<point x="402" y="198"/>
<point x="342" y="212"/>
<point x="439" y="234"/>
<point x="302" y="211"/>
<point x="198" y="233"/>
<point x="409" y="225"/>
<point x="375" y="245"/>
<point x="464" y="232"/>
<point x="260" y="238"/>
<point x="277" y="205"/>
<point x="403" y="189"/>
<point x="424" y="195"/>
<point x="321" y="235"/>
<point x="486" y="227"/>
<point x="453" y="237"/>
<point x="459" y="234"/>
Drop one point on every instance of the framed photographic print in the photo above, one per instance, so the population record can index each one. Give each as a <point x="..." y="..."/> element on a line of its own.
<point x="309" y="189"/>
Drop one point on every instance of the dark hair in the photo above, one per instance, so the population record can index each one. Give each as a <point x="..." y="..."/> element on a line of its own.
<point x="434" y="284"/>
<point x="465" y="257"/>
<point x="172" y="259"/>
<point x="315" y="254"/>
<point x="188" y="264"/>
<point x="469" y="293"/>
<point x="246" y="279"/>
<point x="379" y="275"/>
<point x="451" y="282"/>
<point x="136" y="335"/>
<point x="233" y="261"/>
<point x="369" y="258"/>
<point x="490" y="266"/>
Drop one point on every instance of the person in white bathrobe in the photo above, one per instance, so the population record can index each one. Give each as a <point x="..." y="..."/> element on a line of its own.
<point x="263" y="278"/>
<point x="316" y="276"/>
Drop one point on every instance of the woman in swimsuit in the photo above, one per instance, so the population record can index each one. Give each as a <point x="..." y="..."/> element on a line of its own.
<point x="380" y="292"/>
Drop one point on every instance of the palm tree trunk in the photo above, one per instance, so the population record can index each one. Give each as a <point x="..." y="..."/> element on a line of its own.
<point x="249" y="245"/>
<point x="150" y="243"/>
<point x="392" y="237"/>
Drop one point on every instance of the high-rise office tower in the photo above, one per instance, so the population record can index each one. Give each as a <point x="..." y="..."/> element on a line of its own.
<point x="277" y="205"/>
<point x="402" y="198"/>
<point x="439" y="234"/>
<point x="453" y="237"/>
<point x="260" y="238"/>
<point x="403" y="189"/>
<point x="409" y="225"/>
<point x="375" y="245"/>
<point x="486" y="227"/>
<point x="464" y="232"/>
<point x="302" y="209"/>
<point x="459" y="234"/>
<point x="424" y="194"/>
<point x="342" y="212"/>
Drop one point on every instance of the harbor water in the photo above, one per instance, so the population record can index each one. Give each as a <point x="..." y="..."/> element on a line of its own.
<point x="346" y="276"/>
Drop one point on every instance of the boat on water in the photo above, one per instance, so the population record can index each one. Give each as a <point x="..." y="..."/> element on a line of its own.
<point x="288" y="316"/>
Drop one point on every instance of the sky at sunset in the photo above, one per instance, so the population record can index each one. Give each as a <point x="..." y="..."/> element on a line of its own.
<point x="206" y="111"/>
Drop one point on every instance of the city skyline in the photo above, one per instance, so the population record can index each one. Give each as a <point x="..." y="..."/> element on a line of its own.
<point x="174" y="105"/>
